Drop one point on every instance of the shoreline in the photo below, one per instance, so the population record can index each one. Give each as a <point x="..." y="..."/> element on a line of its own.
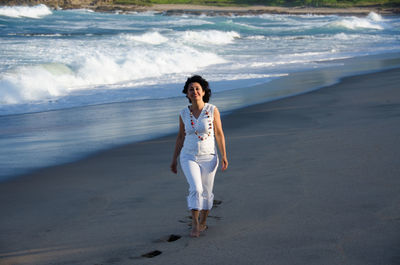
<point x="296" y="83"/>
<point x="330" y="158"/>
<point x="209" y="10"/>
<point x="181" y="9"/>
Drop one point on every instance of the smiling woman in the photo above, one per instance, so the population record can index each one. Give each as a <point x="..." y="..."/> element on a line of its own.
<point x="199" y="127"/>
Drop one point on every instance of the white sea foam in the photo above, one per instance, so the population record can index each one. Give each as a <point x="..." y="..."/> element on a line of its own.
<point x="273" y="17"/>
<point x="308" y="54"/>
<point x="103" y="57"/>
<point x="45" y="35"/>
<point x="81" y="10"/>
<point x="38" y="11"/>
<point x="256" y="37"/>
<point x="185" y="22"/>
<point x="374" y="17"/>
<point x="343" y="36"/>
<point x="372" y="21"/>
<point x="296" y="59"/>
<point x="96" y="69"/>
<point x="210" y="37"/>
<point x="244" y="76"/>
<point x="148" y="37"/>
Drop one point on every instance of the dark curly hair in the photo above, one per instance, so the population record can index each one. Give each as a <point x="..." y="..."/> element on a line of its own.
<point x="203" y="83"/>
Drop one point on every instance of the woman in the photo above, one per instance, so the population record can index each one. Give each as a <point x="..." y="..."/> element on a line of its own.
<point x="199" y="127"/>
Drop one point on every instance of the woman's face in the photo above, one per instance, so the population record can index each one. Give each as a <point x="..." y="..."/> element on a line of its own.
<point x="195" y="92"/>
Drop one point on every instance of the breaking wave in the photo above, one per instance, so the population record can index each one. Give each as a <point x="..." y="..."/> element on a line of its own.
<point x="372" y="21"/>
<point x="38" y="11"/>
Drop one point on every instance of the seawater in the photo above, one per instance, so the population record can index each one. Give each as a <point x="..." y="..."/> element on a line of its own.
<point x="74" y="81"/>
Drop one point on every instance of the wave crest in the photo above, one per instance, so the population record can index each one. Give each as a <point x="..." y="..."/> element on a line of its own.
<point x="99" y="70"/>
<point x="148" y="37"/>
<point x="38" y="11"/>
<point x="210" y="37"/>
<point x="372" y="21"/>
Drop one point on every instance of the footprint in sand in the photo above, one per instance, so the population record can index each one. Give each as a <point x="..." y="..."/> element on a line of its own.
<point x="170" y="238"/>
<point x="155" y="253"/>
<point x="188" y="219"/>
<point x="215" y="217"/>
<point x="216" y="203"/>
<point x="151" y="254"/>
<point x="173" y="237"/>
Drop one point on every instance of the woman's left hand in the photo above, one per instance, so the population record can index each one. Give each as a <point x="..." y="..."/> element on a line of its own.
<point x="224" y="163"/>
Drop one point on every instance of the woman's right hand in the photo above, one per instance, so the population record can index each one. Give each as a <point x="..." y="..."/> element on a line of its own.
<point x="173" y="166"/>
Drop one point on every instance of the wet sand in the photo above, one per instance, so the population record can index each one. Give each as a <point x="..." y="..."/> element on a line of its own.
<point x="313" y="179"/>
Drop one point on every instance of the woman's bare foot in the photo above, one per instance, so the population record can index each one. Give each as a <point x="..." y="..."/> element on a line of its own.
<point x="195" y="224"/>
<point x="203" y="220"/>
<point x="195" y="230"/>
<point x="203" y="227"/>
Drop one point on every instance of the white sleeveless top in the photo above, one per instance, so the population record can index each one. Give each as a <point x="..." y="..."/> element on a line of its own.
<point x="199" y="133"/>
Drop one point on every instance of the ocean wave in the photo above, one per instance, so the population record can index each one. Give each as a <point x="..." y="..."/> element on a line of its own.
<point x="244" y="76"/>
<point x="182" y="22"/>
<point x="239" y="26"/>
<point x="210" y="37"/>
<point x="346" y="37"/>
<point x="38" y="11"/>
<point x="113" y="58"/>
<point x="137" y="13"/>
<point x="298" y="59"/>
<point x="372" y="21"/>
<point x="47" y="35"/>
<point x="148" y="37"/>
<point x="80" y="10"/>
<point x="256" y="37"/>
<point x="99" y="70"/>
<point x="274" y="17"/>
<point x="374" y="17"/>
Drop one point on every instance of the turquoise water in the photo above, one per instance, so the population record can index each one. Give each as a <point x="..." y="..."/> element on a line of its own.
<point x="54" y="59"/>
<point x="74" y="82"/>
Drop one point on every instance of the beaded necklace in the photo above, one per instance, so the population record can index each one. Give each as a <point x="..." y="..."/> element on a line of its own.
<point x="206" y="114"/>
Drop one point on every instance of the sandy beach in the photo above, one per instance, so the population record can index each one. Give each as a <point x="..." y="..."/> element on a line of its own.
<point x="179" y="9"/>
<point x="313" y="179"/>
<point x="209" y="10"/>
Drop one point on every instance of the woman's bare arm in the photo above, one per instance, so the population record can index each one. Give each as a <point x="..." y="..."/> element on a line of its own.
<point x="178" y="145"/>
<point x="220" y="138"/>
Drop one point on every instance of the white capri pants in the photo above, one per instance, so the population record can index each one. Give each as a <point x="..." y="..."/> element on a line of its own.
<point x="200" y="172"/>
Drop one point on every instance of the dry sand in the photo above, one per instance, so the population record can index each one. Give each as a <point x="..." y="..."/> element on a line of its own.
<point x="313" y="179"/>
